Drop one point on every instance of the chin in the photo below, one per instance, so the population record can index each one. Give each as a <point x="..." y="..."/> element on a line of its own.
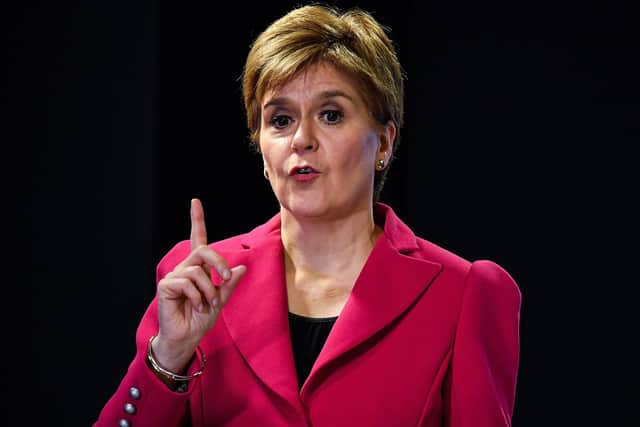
<point x="308" y="211"/>
<point x="307" y="207"/>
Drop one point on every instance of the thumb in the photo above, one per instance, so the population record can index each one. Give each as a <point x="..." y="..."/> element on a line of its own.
<point x="227" y="288"/>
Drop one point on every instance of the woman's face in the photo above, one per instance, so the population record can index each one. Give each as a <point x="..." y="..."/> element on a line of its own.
<point x="320" y="144"/>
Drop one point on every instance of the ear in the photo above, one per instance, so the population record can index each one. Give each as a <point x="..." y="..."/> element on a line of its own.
<point x="265" y="169"/>
<point x="387" y="137"/>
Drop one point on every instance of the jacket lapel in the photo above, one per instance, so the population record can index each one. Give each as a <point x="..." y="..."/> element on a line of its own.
<point x="256" y="315"/>
<point x="388" y="284"/>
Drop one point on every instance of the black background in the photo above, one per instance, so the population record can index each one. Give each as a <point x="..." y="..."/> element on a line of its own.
<point x="521" y="122"/>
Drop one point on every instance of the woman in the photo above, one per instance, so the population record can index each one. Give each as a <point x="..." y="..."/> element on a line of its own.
<point x="333" y="312"/>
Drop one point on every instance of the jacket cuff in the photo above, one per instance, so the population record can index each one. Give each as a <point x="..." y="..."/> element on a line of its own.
<point x="142" y="399"/>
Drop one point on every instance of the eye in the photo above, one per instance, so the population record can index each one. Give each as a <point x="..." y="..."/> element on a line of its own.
<point x="280" y="121"/>
<point x="332" y="117"/>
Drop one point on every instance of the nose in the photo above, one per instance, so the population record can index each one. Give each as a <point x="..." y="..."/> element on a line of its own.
<point x="304" y="138"/>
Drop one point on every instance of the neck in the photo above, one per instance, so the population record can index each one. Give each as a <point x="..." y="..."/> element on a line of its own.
<point x="326" y="248"/>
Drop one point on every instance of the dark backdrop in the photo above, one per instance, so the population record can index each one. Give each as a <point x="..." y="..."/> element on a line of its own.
<point x="520" y="121"/>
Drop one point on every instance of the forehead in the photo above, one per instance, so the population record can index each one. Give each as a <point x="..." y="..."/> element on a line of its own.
<point x="316" y="80"/>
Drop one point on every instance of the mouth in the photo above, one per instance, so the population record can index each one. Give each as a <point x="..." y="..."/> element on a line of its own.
<point x="303" y="170"/>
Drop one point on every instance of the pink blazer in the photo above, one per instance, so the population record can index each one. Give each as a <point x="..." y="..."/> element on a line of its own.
<point x="426" y="338"/>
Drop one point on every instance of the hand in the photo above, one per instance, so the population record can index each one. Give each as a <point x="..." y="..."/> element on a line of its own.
<point x="188" y="302"/>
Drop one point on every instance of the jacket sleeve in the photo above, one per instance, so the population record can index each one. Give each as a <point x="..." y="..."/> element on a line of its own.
<point x="481" y="383"/>
<point x="141" y="399"/>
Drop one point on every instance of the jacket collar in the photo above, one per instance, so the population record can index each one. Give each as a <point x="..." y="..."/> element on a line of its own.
<point x="256" y="314"/>
<point x="397" y="232"/>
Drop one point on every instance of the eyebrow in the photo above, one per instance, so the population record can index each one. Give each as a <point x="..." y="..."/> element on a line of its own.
<point x="327" y="94"/>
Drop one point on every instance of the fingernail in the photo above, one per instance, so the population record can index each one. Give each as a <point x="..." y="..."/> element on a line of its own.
<point x="226" y="274"/>
<point x="200" y="307"/>
<point x="214" y="302"/>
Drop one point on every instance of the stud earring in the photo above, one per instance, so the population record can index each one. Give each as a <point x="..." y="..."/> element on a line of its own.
<point x="380" y="164"/>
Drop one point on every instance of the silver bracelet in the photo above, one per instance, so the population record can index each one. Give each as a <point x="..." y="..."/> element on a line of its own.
<point x="175" y="377"/>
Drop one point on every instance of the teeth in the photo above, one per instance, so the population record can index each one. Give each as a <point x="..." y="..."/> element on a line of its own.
<point x="304" y="170"/>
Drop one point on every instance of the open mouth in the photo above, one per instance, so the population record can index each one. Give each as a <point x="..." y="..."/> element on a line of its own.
<point x="303" y="170"/>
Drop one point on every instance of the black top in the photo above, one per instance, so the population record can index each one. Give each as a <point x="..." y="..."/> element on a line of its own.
<point x="308" y="335"/>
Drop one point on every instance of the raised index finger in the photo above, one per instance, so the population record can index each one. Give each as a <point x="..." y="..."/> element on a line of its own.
<point x="198" y="229"/>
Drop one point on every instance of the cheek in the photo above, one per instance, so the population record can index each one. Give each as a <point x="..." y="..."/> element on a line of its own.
<point x="270" y="152"/>
<point x="363" y="150"/>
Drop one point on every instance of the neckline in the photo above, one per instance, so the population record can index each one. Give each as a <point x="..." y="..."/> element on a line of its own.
<point x="313" y="319"/>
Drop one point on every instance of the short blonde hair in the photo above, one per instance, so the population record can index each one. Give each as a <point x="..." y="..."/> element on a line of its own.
<point x="352" y="41"/>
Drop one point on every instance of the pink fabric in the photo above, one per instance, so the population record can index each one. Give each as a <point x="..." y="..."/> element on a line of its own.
<point x="426" y="339"/>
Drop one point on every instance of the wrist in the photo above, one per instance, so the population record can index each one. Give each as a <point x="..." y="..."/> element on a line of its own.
<point x="175" y="381"/>
<point x="171" y="355"/>
<point x="172" y="384"/>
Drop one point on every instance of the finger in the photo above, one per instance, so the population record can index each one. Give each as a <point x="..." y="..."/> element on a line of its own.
<point x="201" y="280"/>
<point x="182" y="287"/>
<point x="198" y="228"/>
<point x="226" y="289"/>
<point x="207" y="256"/>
